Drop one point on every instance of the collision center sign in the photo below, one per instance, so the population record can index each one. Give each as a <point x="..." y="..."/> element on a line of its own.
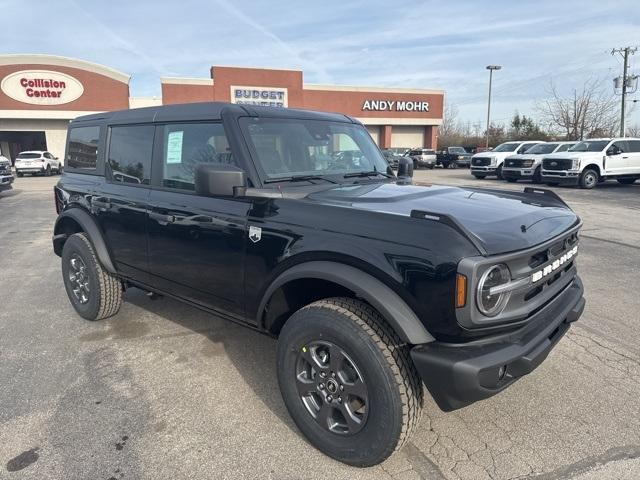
<point x="41" y="87"/>
<point x="395" y="106"/>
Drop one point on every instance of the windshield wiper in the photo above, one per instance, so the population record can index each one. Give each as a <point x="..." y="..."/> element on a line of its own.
<point x="367" y="174"/>
<point x="299" y="178"/>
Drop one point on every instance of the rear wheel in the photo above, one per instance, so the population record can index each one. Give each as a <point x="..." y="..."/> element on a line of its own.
<point x="588" y="179"/>
<point x="347" y="381"/>
<point x="415" y="165"/>
<point x="94" y="293"/>
<point x="47" y="171"/>
<point x="626" y="181"/>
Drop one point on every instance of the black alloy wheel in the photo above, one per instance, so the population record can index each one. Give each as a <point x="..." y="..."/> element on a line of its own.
<point x="79" y="279"/>
<point x="331" y="387"/>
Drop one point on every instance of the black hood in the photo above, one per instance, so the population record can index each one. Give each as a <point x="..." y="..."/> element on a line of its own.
<point x="501" y="221"/>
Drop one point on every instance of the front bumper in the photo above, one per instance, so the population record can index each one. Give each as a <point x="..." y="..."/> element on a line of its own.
<point x="30" y="170"/>
<point x="6" y="181"/>
<point x="460" y="374"/>
<point x="484" y="170"/>
<point x="426" y="162"/>
<point x="517" y="173"/>
<point x="562" y="177"/>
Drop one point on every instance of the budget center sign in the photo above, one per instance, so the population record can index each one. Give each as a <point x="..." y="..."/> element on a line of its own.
<point x="264" y="96"/>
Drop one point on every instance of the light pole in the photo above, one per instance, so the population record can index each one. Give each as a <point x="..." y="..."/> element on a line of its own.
<point x="491" y="68"/>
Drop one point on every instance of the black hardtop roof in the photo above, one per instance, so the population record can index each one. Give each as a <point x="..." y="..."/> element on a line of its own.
<point x="205" y="111"/>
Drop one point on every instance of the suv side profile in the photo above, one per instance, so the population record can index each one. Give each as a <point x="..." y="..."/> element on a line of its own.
<point x="592" y="161"/>
<point x="37" y="162"/>
<point x="423" y="157"/>
<point x="372" y="285"/>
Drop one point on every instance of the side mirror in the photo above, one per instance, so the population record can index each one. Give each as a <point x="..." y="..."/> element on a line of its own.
<point x="220" y="180"/>
<point x="405" y="170"/>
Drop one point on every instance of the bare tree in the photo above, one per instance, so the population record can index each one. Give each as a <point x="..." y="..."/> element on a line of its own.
<point x="633" y="130"/>
<point x="449" y="126"/>
<point x="590" y="111"/>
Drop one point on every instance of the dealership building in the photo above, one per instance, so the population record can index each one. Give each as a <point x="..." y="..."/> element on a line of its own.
<point x="39" y="94"/>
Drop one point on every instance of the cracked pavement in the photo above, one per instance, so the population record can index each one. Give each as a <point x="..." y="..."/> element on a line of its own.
<point x="165" y="391"/>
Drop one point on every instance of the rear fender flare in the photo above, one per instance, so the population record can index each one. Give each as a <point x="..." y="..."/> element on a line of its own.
<point x="91" y="228"/>
<point x="390" y="305"/>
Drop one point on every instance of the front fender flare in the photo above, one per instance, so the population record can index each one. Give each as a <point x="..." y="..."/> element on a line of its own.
<point x="91" y="228"/>
<point x="390" y="305"/>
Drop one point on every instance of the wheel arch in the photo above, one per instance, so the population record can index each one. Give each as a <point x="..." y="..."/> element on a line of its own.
<point x="75" y="220"/>
<point x="594" y="166"/>
<point x="336" y="279"/>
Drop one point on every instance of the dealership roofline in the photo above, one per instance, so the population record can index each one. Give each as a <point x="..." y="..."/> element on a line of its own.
<point x="33" y="114"/>
<point x="399" y="121"/>
<point x="59" y="61"/>
<point x="186" y="81"/>
<point x="353" y="88"/>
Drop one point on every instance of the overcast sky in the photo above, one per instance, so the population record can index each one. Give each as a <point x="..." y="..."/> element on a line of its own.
<point x="433" y="44"/>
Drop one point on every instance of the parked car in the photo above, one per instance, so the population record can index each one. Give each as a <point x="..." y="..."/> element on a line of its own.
<point x="37" y="162"/>
<point x="6" y="177"/>
<point x="528" y="166"/>
<point x="423" y="157"/>
<point x="490" y="162"/>
<point x="592" y="161"/>
<point x="454" y="157"/>
<point x="392" y="158"/>
<point x="370" y="284"/>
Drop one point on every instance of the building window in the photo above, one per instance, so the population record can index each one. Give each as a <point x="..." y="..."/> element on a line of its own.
<point x="130" y="149"/>
<point x="82" y="152"/>
<point x="189" y="144"/>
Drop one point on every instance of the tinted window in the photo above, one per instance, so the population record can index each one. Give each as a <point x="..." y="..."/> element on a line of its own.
<point x="525" y="148"/>
<point x="506" y="147"/>
<point x="26" y="156"/>
<point x="82" y="151"/>
<point x="634" y="145"/>
<point x="565" y="147"/>
<point x="186" y="145"/>
<point x="589" y="146"/>
<point x="622" y="145"/>
<point x="130" y="150"/>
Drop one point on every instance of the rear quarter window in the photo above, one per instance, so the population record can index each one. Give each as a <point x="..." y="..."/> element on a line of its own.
<point x="82" y="149"/>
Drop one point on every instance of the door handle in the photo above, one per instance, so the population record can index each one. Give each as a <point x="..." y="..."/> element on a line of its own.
<point x="625" y="157"/>
<point x="162" y="217"/>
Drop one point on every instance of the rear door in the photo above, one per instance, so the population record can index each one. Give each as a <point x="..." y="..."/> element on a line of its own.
<point x="196" y="244"/>
<point x="633" y="162"/>
<point x="121" y="205"/>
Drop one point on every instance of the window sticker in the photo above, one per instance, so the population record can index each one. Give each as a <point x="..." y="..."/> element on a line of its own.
<point x="174" y="147"/>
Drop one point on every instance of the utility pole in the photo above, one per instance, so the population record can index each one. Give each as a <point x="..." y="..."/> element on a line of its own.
<point x="625" y="82"/>
<point x="491" y="68"/>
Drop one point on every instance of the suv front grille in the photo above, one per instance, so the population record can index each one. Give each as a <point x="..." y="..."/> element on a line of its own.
<point x="557" y="163"/>
<point x="481" y="162"/>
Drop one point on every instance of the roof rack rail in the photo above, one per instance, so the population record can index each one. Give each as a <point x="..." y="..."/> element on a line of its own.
<point x="453" y="223"/>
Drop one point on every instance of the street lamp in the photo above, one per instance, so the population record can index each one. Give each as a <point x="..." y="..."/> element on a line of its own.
<point x="491" y="68"/>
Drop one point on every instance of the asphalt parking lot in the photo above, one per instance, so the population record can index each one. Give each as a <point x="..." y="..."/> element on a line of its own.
<point x="166" y="391"/>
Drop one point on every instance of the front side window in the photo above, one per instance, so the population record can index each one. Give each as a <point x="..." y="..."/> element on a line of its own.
<point x="295" y="147"/>
<point x="542" y="148"/>
<point x="565" y="147"/>
<point x="189" y="144"/>
<point x="130" y="149"/>
<point x="82" y="150"/>
<point x="621" y="146"/>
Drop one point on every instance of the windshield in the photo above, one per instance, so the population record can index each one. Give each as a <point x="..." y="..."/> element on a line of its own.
<point x="458" y="150"/>
<point x="295" y="147"/>
<point x="542" y="148"/>
<point x="24" y="156"/>
<point x="507" y="147"/>
<point x="590" y="146"/>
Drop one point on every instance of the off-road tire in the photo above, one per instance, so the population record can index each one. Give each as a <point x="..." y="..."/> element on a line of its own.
<point x="588" y="179"/>
<point x="105" y="294"/>
<point x="387" y="370"/>
<point x="626" y="181"/>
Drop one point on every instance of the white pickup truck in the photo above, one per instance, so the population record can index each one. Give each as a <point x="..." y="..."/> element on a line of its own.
<point x="37" y="161"/>
<point x="6" y="177"/>
<point x="490" y="162"/>
<point x="528" y="166"/>
<point x="593" y="161"/>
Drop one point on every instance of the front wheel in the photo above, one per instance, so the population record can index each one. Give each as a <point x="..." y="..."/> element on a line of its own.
<point x="588" y="179"/>
<point x="94" y="293"/>
<point x="47" y="172"/>
<point x="499" y="173"/>
<point x="537" y="176"/>
<point x="348" y="381"/>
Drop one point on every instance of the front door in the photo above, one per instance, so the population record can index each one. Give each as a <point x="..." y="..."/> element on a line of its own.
<point x="616" y="158"/>
<point x="196" y="244"/>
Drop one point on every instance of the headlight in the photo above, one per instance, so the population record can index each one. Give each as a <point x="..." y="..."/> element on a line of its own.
<point x="491" y="305"/>
<point x="575" y="164"/>
<point x="494" y="161"/>
<point x="460" y="157"/>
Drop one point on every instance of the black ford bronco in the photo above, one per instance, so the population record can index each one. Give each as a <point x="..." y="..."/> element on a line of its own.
<point x="292" y="223"/>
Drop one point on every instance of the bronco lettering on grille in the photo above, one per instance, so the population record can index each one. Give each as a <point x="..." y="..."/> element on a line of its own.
<point x="540" y="274"/>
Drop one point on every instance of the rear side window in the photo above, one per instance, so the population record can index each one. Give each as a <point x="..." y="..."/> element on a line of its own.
<point x="634" y="145"/>
<point x="82" y="150"/>
<point x="130" y="149"/>
<point x="185" y="146"/>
